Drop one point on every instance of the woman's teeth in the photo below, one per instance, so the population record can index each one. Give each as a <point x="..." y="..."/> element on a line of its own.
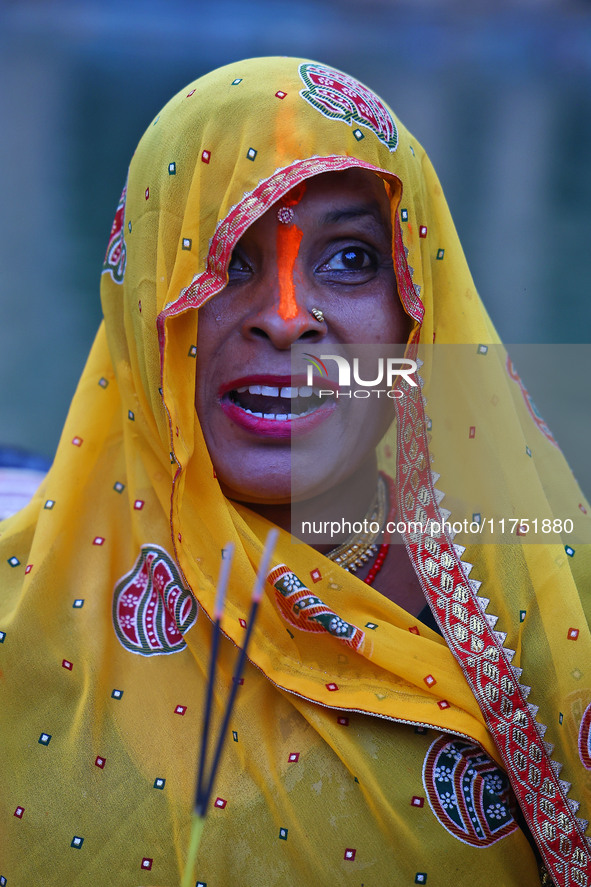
<point x="280" y="417"/>
<point x="283" y="403"/>
<point x="268" y="391"/>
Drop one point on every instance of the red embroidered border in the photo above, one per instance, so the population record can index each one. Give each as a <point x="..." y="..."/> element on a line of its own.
<point x="484" y="661"/>
<point x="408" y="294"/>
<point x="230" y="229"/>
<point x="585" y="739"/>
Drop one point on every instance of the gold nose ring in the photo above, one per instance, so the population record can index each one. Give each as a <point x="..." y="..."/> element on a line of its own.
<point x="317" y="314"/>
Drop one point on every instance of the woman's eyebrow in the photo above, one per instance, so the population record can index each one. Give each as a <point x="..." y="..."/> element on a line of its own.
<point x="352" y="212"/>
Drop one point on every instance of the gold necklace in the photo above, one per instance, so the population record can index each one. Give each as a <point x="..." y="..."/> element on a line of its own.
<point x="358" y="549"/>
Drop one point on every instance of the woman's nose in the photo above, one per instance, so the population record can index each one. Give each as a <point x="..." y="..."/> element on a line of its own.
<point x="285" y="316"/>
<point x="284" y="328"/>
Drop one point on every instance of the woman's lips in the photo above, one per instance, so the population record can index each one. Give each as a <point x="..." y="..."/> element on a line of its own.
<point x="278" y="407"/>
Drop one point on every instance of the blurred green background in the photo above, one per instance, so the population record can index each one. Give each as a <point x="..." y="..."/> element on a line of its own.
<point x="499" y="93"/>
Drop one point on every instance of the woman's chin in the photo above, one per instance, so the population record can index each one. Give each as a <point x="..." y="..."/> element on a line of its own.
<point x="238" y="490"/>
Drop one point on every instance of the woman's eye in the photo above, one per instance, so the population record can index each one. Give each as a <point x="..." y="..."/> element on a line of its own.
<point x="352" y="258"/>
<point x="238" y="265"/>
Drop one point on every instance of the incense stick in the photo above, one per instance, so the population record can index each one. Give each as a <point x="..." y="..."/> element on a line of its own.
<point x="203" y="793"/>
<point x="225" y="566"/>
<point x="255" y="600"/>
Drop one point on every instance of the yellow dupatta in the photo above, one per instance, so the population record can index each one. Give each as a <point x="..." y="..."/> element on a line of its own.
<point x="378" y="757"/>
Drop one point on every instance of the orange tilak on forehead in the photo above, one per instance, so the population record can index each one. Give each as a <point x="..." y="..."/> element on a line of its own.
<point x="289" y="237"/>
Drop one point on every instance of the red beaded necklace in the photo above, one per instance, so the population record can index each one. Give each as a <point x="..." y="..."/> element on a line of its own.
<point x="383" y="549"/>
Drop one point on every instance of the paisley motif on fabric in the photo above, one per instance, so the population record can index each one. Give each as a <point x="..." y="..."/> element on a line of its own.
<point x="532" y="409"/>
<point x="585" y="738"/>
<point x="151" y="608"/>
<point x="306" y="611"/>
<point x="116" y="255"/>
<point x="340" y="97"/>
<point x="468" y="793"/>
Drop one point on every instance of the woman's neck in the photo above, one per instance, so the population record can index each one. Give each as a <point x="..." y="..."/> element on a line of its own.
<point x="342" y="504"/>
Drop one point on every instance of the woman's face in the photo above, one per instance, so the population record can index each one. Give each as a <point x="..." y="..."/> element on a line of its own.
<point x="333" y="252"/>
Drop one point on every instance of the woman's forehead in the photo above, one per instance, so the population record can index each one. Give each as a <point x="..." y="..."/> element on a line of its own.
<point x="344" y="185"/>
<point x="333" y="198"/>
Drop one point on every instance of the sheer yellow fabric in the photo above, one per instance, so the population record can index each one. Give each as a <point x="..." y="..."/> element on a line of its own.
<point x="342" y="754"/>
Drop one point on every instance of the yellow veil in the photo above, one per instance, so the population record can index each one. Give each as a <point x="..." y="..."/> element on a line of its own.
<point x="375" y="754"/>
